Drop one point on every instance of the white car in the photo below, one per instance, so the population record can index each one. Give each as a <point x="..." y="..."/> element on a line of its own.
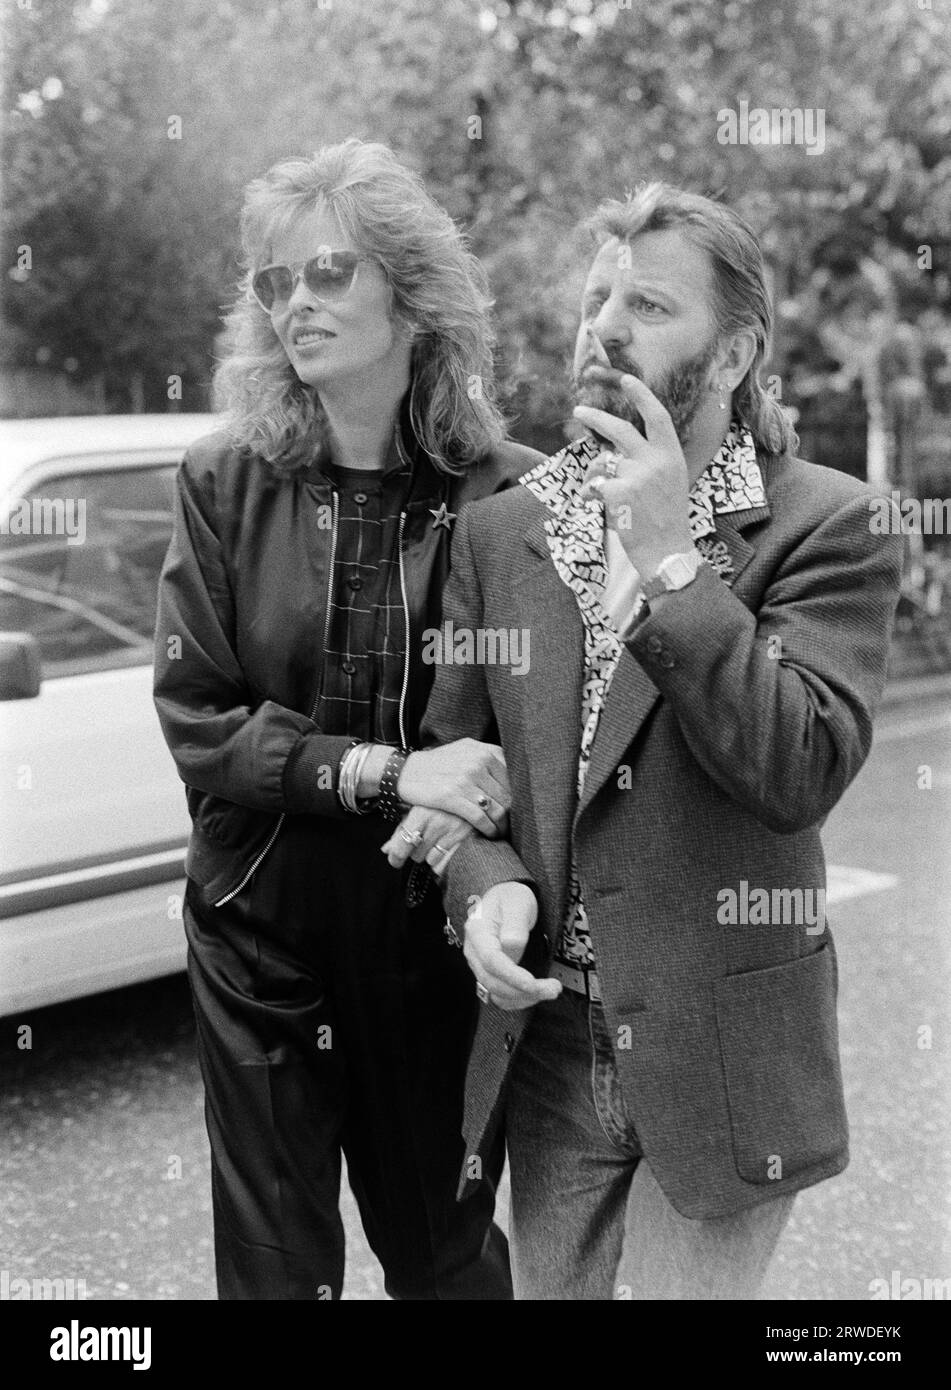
<point x="93" y="823"/>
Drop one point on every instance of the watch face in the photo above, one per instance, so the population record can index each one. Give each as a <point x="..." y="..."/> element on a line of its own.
<point x="677" y="572"/>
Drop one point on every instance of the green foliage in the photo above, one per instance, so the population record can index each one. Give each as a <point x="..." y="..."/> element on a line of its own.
<point x="133" y="233"/>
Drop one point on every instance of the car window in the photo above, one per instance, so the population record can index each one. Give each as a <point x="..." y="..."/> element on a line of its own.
<point x="82" y="576"/>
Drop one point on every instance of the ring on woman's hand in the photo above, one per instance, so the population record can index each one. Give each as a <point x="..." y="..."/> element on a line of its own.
<point x="610" y="464"/>
<point x="412" y="837"/>
<point x="483" y="993"/>
<point x="441" y="848"/>
<point x="482" y="801"/>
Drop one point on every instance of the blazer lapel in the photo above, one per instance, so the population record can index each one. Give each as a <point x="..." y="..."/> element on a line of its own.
<point x="631" y="697"/>
<point x="548" y="611"/>
<point x="728" y="552"/>
<point x="632" y="694"/>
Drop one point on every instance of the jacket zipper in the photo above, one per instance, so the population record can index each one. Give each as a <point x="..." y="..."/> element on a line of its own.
<point x="330" y="585"/>
<point x="280" y="820"/>
<point x="403" y="742"/>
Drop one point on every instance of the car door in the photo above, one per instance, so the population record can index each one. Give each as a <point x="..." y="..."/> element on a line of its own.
<point x="93" y="822"/>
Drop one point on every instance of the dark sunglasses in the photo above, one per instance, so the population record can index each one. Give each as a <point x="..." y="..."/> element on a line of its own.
<point x="329" y="276"/>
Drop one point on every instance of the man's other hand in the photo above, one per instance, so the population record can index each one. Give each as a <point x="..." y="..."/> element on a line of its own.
<point x="496" y="934"/>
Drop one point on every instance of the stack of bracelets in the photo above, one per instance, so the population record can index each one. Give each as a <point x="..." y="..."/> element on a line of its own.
<point x="388" y="803"/>
<point x="348" y="779"/>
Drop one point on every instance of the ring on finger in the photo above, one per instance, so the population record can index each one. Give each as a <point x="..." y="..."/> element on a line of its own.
<point x="482" y="993"/>
<point x="610" y="461"/>
<point x="483" y="801"/>
<point x="412" y="837"/>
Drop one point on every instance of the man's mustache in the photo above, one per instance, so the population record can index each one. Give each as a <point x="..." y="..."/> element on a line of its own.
<point x="591" y="367"/>
<point x="595" y="374"/>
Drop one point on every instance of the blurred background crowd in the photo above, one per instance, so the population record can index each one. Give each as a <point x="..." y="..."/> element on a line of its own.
<point x="131" y="127"/>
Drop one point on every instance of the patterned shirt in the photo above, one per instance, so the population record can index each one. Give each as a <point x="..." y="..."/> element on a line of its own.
<point x="731" y="482"/>
<point x="366" y="638"/>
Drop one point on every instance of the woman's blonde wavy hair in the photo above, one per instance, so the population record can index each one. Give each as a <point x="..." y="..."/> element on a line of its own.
<point x="437" y="286"/>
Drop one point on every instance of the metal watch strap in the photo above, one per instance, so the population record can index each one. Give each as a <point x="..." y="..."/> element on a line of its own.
<point x="653" y="588"/>
<point x="390" y="806"/>
<point x="421" y="879"/>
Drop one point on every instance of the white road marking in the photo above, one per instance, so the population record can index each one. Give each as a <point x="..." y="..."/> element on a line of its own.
<point x="910" y="728"/>
<point x="845" y="882"/>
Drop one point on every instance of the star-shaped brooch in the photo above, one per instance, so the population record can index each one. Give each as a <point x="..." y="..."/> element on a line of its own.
<point x="443" y="515"/>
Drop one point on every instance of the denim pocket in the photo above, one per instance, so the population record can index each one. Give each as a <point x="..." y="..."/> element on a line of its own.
<point x="606" y="1090"/>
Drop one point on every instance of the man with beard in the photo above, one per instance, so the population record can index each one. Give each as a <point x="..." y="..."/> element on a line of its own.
<point x="709" y="620"/>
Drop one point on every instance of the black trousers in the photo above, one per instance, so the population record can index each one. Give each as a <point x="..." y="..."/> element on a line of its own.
<point x="332" y="1018"/>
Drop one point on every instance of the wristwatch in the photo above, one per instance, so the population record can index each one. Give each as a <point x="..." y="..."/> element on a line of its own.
<point x="673" y="572"/>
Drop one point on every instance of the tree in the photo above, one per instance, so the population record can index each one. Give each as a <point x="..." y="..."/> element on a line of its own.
<point x="521" y="115"/>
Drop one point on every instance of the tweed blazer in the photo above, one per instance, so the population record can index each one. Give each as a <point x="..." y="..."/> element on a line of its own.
<point x="739" y="712"/>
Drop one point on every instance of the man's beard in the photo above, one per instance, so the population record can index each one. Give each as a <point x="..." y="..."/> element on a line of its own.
<point x="680" y="392"/>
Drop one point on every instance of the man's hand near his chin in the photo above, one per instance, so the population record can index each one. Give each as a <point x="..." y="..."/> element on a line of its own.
<point x="647" y="502"/>
<point x="496" y="935"/>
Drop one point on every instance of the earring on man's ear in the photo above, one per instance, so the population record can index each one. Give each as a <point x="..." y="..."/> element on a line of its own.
<point x="721" y="402"/>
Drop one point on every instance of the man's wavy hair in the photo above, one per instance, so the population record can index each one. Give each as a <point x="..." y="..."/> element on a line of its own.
<point x="436" y="285"/>
<point x="741" y="294"/>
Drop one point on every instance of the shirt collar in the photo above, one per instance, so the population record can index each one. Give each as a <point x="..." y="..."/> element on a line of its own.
<point x="731" y="482"/>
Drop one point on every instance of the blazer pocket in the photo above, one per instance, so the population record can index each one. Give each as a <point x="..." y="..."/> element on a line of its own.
<point x="780" y="1052"/>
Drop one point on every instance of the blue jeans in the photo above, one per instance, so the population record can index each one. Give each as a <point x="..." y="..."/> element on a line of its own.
<point x="588" y="1218"/>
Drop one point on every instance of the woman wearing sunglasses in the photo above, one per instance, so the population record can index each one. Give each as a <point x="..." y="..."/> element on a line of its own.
<point x="311" y="545"/>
